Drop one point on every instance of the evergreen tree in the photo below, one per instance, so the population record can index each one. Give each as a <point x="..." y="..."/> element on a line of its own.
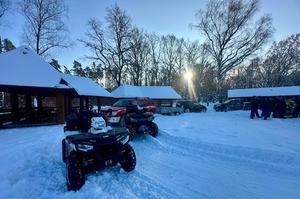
<point x="66" y="70"/>
<point x="77" y="69"/>
<point x="8" y="45"/>
<point x="55" y="64"/>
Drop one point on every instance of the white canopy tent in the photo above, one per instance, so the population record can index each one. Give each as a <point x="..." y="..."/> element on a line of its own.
<point x="265" y="92"/>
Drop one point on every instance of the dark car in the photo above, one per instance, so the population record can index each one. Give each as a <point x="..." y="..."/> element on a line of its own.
<point x="229" y="105"/>
<point x="190" y="106"/>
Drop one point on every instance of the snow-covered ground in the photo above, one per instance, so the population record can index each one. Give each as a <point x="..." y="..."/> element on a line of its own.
<point x="196" y="155"/>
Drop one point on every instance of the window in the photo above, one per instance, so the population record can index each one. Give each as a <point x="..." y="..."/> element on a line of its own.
<point x="137" y="102"/>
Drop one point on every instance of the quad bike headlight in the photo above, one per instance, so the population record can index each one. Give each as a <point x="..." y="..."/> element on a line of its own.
<point x="84" y="147"/>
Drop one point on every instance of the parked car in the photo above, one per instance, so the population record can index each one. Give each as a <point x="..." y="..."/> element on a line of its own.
<point x="190" y="106"/>
<point x="229" y="105"/>
<point x="116" y="113"/>
<point x="169" y="110"/>
<point x="247" y="106"/>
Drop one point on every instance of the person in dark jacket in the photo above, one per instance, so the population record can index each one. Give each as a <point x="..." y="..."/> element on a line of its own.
<point x="281" y="107"/>
<point x="272" y="106"/>
<point x="254" y="108"/>
<point x="296" y="111"/>
<point x="266" y="108"/>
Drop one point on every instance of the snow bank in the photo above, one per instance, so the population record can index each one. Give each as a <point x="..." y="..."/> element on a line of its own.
<point x="196" y="155"/>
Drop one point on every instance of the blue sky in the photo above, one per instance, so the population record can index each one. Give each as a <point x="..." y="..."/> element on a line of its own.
<point x="160" y="16"/>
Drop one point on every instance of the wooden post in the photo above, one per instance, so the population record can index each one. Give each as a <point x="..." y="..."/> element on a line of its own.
<point x="28" y="106"/>
<point x="87" y="103"/>
<point x="81" y="102"/>
<point x="99" y="104"/>
<point x="60" y="108"/>
<point x="15" y="106"/>
<point x="68" y="104"/>
<point x="40" y="116"/>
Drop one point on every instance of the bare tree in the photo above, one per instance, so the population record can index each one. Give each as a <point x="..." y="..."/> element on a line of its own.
<point x="152" y="71"/>
<point x="171" y="58"/>
<point x="44" y="24"/>
<point x="231" y="34"/>
<point x="109" y="45"/>
<point x="249" y="76"/>
<point x="4" y="7"/>
<point x="138" y="56"/>
<point x="283" y="58"/>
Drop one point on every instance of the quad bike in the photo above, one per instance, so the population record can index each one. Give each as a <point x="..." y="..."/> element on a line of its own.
<point x="138" y="121"/>
<point x="90" y="145"/>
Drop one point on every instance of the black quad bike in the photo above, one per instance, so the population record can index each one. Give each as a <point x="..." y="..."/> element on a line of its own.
<point x="94" y="149"/>
<point x="138" y="121"/>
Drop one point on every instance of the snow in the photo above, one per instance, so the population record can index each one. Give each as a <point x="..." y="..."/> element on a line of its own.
<point x="85" y="86"/>
<point x="271" y="91"/>
<point x="23" y="67"/>
<point x="196" y="155"/>
<point x="152" y="92"/>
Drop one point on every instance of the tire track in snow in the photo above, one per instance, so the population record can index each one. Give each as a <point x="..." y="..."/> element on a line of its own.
<point x="114" y="181"/>
<point x="260" y="159"/>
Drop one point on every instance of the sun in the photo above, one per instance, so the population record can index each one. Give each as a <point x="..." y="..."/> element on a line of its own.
<point x="188" y="75"/>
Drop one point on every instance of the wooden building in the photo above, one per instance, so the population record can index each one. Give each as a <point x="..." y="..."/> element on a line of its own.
<point x="33" y="92"/>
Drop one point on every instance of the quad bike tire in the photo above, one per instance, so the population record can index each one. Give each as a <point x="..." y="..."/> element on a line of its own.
<point x="153" y="129"/>
<point x="74" y="173"/>
<point x="128" y="158"/>
<point x="122" y="122"/>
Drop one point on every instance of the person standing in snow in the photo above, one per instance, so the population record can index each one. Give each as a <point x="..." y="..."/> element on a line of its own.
<point x="281" y="107"/>
<point x="266" y="108"/>
<point x="254" y="108"/>
<point x="296" y="111"/>
<point x="263" y="105"/>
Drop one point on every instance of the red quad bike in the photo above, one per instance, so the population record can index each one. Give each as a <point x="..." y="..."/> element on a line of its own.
<point x="136" y="114"/>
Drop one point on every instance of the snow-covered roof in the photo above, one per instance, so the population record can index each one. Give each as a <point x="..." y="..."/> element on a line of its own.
<point x="152" y="92"/>
<point x="271" y="91"/>
<point x="23" y="67"/>
<point x="85" y="86"/>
